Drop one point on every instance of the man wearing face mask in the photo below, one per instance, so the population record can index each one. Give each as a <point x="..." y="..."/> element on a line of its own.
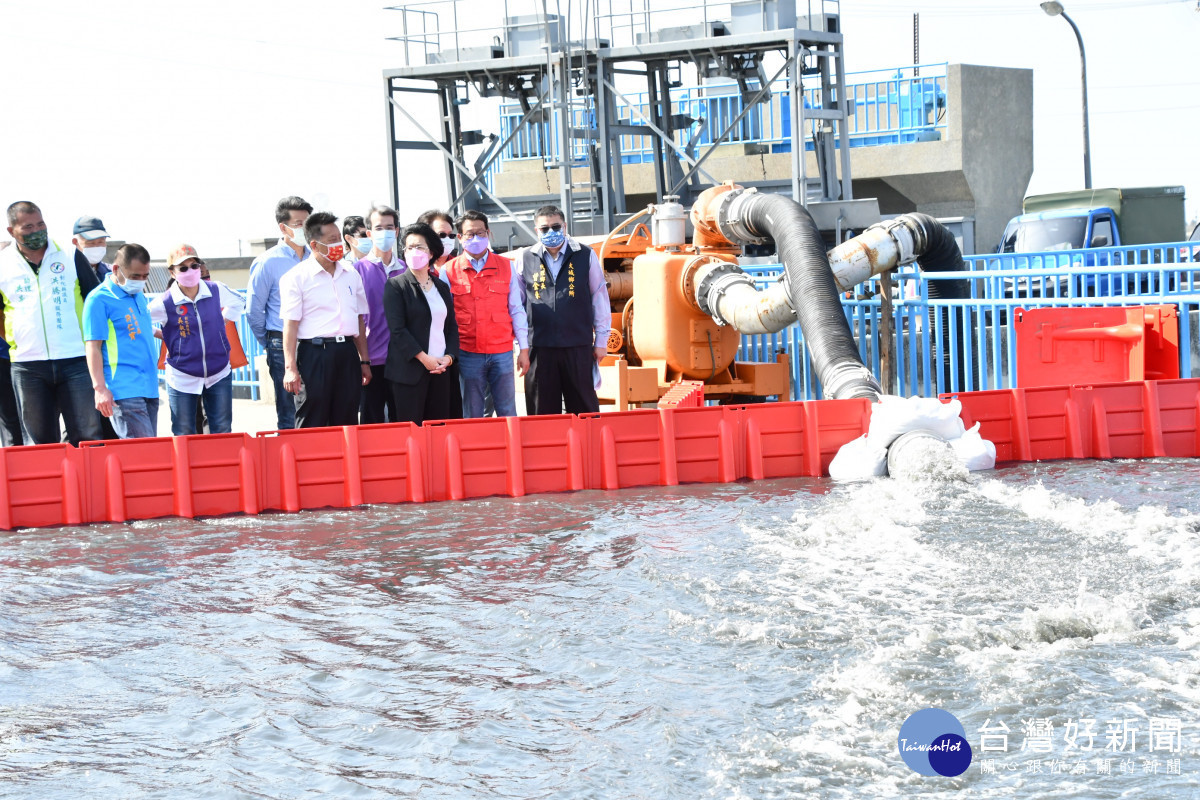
<point x="122" y="353"/>
<point x="324" y="312"/>
<point x="91" y="239"/>
<point x="263" y="298"/>
<point x="383" y="223"/>
<point x="490" y="312"/>
<point x="569" y="318"/>
<point x="43" y="288"/>
<point x="376" y="404"/>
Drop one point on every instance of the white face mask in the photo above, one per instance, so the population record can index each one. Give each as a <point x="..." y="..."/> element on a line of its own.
<point x="133" y="286"/>
<point x="94" y="255"/>
<point x="297" y="235"/>
<point x="448" y="243"/>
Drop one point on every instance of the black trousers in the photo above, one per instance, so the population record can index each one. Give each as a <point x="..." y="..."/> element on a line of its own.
<point x="377" y="403"/>
<point x="332" y="381"/>
<point x="10" y="421"/>
<point x="432" y="397"/>
<point x="558" y="376"/>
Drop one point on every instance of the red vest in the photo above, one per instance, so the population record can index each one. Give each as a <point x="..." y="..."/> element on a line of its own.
<point x="481" y="303"/>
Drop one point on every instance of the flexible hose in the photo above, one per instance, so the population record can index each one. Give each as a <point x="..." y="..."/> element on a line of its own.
<point x="937" y="250"/>
<point x="813" y="294"/>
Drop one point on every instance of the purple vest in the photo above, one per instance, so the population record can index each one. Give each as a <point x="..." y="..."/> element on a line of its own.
<point x="187" y="349"/>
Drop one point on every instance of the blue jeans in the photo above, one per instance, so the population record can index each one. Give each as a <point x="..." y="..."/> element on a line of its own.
<point x="483" y="371"/>
<point x="46" y="389"/>
<point x="218" y="407"/>
<point x="285" y="401"/>
<point x="135" y="417"/>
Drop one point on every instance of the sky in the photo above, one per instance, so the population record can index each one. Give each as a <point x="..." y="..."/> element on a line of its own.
<point x="187" y="122"/>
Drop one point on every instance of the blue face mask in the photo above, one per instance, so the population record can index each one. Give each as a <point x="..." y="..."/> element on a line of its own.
<point x="384" y="241"/>
<point x="553" y="238"/>
<point x="363" y="244"/>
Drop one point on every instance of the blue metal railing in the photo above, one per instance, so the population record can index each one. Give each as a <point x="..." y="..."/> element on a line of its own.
<point x="974" y="347"/>
<point x="888" y="108"/>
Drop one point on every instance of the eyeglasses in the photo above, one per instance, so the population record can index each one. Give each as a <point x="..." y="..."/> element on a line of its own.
<point x="547" y="228"/>
<point x="185" y="267"/>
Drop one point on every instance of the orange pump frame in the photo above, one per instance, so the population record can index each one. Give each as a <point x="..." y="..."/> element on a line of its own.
<point x="659" y="334"/>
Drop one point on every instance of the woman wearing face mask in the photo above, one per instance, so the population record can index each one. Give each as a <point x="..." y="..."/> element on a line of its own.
<point x="193" y="314"/>
<point x="357" y="239"/>
<point x="423" y="347"/>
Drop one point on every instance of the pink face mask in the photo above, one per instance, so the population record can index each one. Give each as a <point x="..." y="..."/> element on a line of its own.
<point x="416" y="259"/>
<point x="188" y="278"/>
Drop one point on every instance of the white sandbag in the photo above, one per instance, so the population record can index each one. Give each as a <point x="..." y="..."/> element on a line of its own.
<point x="858" y="461"/>
<point x="893" y="416"/>
<point x="974" y="451"/>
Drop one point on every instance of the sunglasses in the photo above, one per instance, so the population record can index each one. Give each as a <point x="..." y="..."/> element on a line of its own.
<point x="547" y="228"/>
<point x="185" y="267"/>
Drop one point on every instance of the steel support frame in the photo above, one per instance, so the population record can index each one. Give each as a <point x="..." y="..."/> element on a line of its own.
<point x="599" y="68"/>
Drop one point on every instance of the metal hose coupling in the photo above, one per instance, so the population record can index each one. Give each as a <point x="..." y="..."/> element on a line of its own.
<point x="732" y="212"/>
<point x="849" y="380"/>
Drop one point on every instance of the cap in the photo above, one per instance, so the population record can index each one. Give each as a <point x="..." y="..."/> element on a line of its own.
<point x="90" y="228"/>
<point x="180" y="253"/>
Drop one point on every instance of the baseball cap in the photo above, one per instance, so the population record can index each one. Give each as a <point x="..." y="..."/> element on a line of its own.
<point x="90" y="228"/>
<point x="180" y="253"/>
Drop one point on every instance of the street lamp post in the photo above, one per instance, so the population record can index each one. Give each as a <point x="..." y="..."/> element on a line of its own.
<point x="1055" y="9"/>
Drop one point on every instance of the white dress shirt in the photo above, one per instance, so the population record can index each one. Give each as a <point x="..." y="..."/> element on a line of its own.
<point x="323" y="304"/>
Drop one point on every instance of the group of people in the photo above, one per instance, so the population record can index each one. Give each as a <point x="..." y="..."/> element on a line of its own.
<point x="362" y="322"/>
<point x="369" y="322"/>
<point x="84" y="343"/>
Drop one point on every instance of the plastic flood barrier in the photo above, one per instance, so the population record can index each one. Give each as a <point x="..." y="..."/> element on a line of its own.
<point x="1057" y="346"/>
<point x="211" y="475"/>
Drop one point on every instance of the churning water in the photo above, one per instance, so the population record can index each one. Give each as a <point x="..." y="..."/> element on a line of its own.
<point x="750" y="640"/>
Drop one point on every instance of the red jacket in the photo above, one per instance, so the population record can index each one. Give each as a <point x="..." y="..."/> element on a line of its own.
<point x="481" y="303"/>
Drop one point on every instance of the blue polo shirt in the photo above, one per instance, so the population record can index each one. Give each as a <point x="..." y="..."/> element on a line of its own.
<point x="122" y="322"/>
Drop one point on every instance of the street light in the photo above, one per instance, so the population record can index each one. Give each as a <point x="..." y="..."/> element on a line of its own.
<point x="1055" y="9"/>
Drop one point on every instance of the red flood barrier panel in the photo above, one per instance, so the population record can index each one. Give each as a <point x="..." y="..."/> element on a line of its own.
<point x="304" y="468"/>
<point x="705" y="446"/>
<point x="216" y="474"/>
<point x="546" y="454"/>
<point x="799" y="438"/>
<point x="627" y="449"/>
<point x="467" y="458"/>
<point x="385" y="463"/>
<point x="41" y="485"/>
<point x="129" y="479"/>
<point x="1179" y="417"/>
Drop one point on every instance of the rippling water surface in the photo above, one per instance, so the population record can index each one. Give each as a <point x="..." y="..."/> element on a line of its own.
<point x="749" y="640"/>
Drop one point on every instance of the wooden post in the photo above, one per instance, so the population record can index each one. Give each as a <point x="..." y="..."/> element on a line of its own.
<point x="887" y="334"/>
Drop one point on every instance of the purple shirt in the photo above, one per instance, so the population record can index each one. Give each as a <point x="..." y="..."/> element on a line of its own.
<point x="374" y="277"/>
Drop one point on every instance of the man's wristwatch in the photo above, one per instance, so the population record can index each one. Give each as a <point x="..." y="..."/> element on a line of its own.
<point x="364" y="363"/>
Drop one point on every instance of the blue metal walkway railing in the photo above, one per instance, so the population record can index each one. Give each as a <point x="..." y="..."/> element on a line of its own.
<point x="975" y="345"/>
<point x="889" y="107"/>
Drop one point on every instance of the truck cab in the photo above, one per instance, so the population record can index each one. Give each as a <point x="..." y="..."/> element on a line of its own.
<point x="1062" y="229"/>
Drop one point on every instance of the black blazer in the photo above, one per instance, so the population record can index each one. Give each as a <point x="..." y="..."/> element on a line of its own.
<point x="409" y="318"/>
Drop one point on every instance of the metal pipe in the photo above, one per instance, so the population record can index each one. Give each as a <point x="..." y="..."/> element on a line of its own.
<point x="1055" y="9"/>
